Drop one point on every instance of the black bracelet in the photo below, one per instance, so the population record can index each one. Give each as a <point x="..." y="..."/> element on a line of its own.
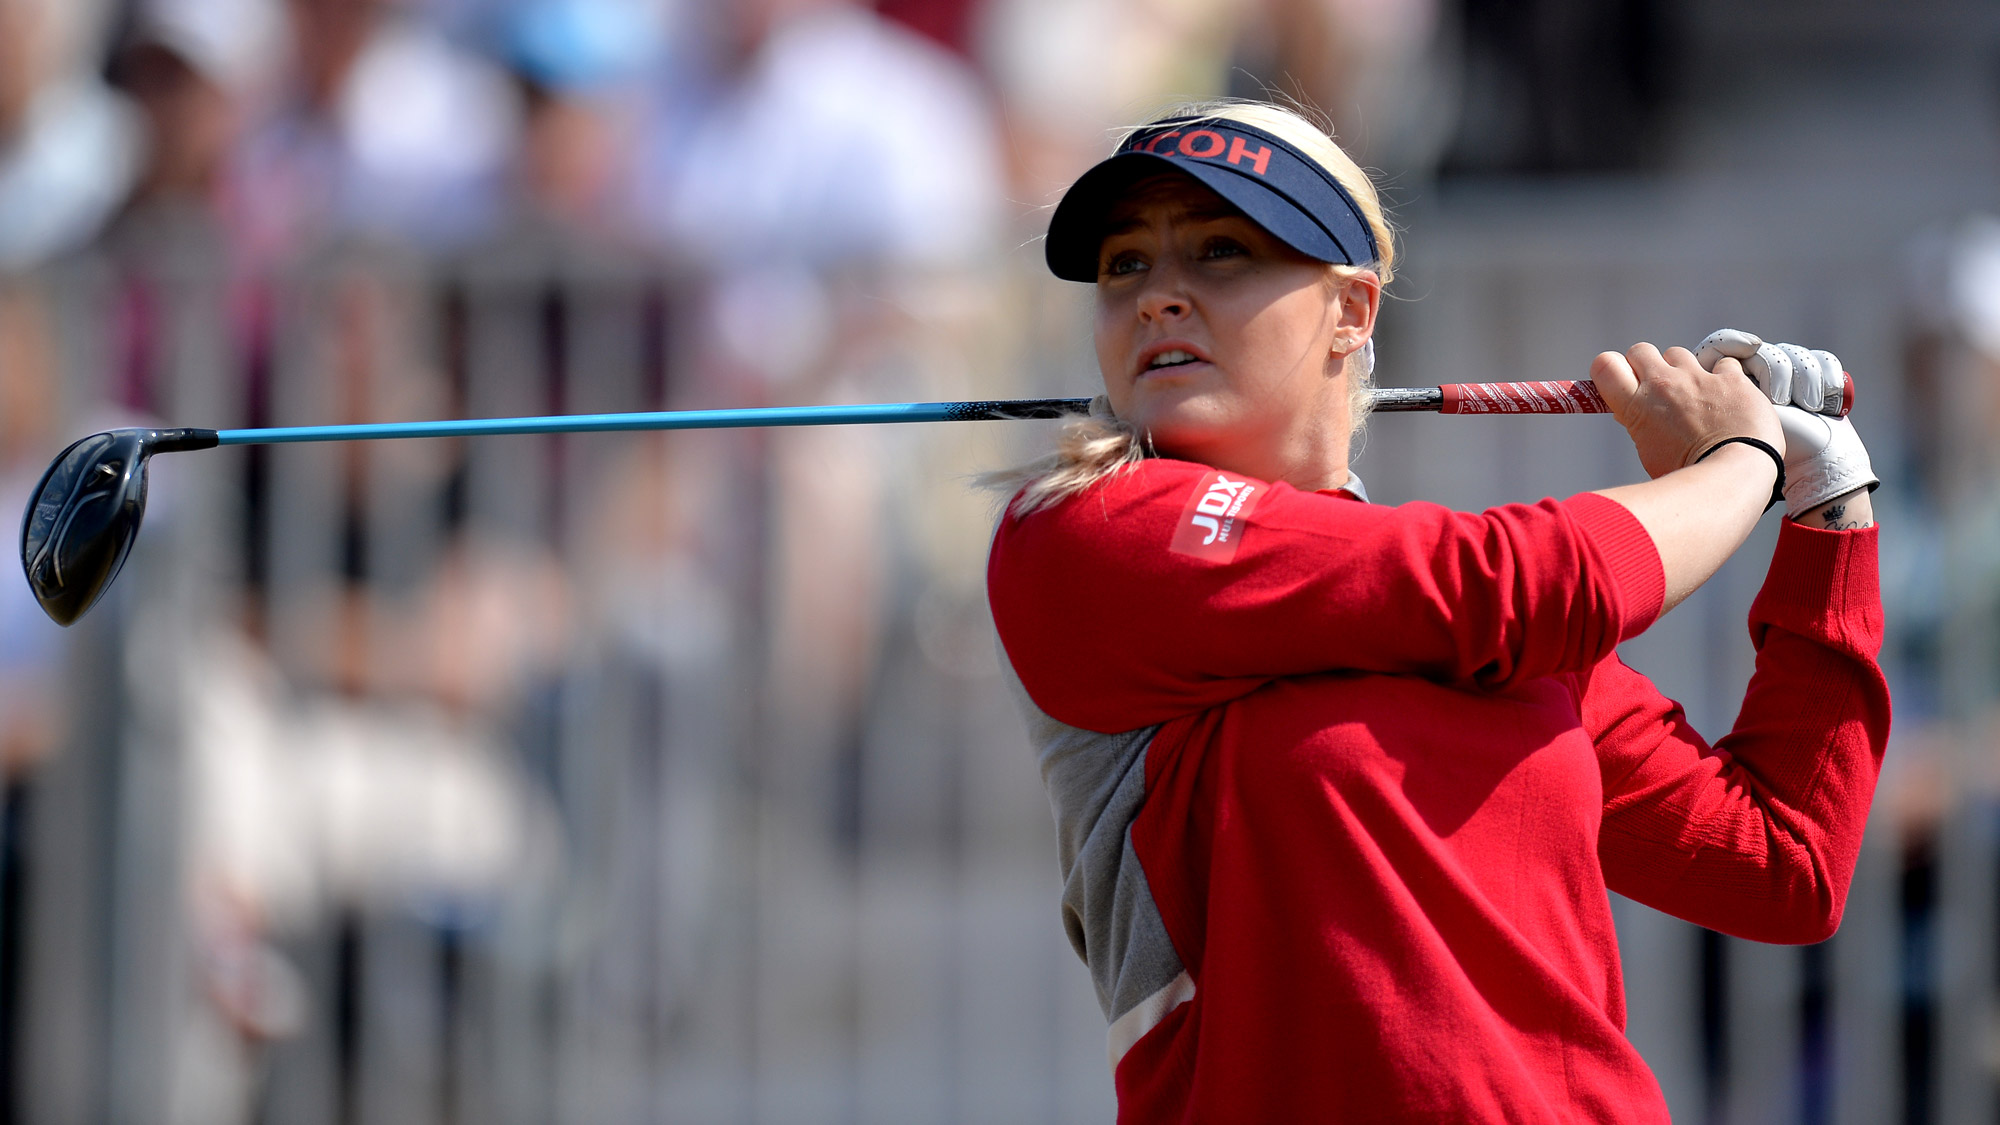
<point x="1778" y="459"/>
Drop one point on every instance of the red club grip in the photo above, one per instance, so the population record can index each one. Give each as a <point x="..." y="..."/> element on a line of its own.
<point x="1547" y="396"/>
<point x="1555" y="396"/>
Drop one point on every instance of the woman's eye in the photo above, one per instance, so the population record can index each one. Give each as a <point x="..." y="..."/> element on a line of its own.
<point x="1123" y="264"/>
<point x="1223" y="248"/>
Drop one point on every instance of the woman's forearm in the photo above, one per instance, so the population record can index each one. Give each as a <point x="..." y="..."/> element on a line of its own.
<point x="1698" y="516"/>
<point x="1760" y="841"/>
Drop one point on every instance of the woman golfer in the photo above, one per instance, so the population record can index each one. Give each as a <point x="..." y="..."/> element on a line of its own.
<point x="1340" y="788"/>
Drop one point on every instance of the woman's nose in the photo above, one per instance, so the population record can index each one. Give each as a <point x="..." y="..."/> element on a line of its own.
<point x="1164" y="296"/>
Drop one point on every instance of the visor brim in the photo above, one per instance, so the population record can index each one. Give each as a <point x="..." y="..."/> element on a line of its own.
<point x="1076" y="230"/>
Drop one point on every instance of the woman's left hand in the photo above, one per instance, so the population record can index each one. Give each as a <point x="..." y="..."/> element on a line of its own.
<point x="1824" y="458"/>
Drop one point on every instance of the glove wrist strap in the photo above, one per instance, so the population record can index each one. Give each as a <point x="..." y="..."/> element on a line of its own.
<point x="1777" y="458"/>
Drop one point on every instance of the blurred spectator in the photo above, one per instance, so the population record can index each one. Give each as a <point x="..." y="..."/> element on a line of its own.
<point x="305" y="811"/>
<point x="1948" y="607"/>
<point x="193" y="67"/>
<point x="584" y="45"/>
<point x="1072" y="71"/>
<point x="568" y="162"/>
<point x="580" y="66"/>
<point x="1381" y="71"/>
<point x="389" y="130"/>
<point x="827" y="143"/>
<point x="948" y="23"/>
<point x="68" y="144"/>
<point x="31" y="648"/>
<point x="838" y="176"/>
<point x="830" y="137"/>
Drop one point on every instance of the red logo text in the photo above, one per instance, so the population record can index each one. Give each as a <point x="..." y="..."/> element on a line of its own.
<point x="1206" y="144"/>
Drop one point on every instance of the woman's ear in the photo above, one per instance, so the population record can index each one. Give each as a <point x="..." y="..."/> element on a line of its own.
<point x="1355" y="299"/>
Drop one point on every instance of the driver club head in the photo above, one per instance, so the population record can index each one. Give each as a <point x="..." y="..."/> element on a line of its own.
<point x="85" y="514"/>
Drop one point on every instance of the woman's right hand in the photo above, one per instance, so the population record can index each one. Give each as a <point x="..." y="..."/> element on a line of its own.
<point x="1675" y="410"/>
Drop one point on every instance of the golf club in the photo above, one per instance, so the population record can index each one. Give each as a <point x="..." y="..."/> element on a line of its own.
<point x="86" y="510"/>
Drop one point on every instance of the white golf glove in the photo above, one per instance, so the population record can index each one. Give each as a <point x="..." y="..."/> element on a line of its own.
<point x="1824" y="457"/>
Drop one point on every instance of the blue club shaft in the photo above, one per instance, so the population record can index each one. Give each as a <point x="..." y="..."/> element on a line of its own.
<point x="670" y="420"/>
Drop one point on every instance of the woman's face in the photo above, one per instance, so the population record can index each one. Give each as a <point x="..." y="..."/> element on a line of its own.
<point x="1224" y="344"/>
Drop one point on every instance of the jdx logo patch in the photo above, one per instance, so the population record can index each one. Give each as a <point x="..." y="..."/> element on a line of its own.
<point x="1215" y="517"/>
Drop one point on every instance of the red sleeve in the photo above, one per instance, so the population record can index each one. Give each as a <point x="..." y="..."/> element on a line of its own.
<point x="1157" y="594"/>
<point x="1756" y="836"/>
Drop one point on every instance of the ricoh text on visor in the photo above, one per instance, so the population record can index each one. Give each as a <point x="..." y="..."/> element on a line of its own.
<point x="1278" y="187"/>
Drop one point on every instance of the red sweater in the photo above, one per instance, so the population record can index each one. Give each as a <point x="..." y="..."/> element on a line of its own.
<point x="1384" y="765"/>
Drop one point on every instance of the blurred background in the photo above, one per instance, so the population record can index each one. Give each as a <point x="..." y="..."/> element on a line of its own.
<point x="671" y="778"/>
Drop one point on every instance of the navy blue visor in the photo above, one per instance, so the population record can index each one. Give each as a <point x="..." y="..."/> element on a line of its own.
<point x="1277" y="186"/>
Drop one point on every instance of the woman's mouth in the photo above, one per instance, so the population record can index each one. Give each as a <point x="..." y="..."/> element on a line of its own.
<point x="1175" y="358"/>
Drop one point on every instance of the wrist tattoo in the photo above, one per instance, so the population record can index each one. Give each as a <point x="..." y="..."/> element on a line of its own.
<point x="1830" y="519"/>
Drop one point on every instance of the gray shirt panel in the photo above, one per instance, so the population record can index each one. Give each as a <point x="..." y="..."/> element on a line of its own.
<point x="1096" y="785"/>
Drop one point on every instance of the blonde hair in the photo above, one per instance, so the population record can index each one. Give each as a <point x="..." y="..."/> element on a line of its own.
<point x="1102" y="444"/>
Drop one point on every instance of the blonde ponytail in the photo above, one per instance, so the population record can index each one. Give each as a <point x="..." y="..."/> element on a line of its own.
<point x="1090" y="449"/>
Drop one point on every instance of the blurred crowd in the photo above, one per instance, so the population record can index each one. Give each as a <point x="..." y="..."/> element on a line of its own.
<point x="798" y="130"/>
<point x="249" y="212"/>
